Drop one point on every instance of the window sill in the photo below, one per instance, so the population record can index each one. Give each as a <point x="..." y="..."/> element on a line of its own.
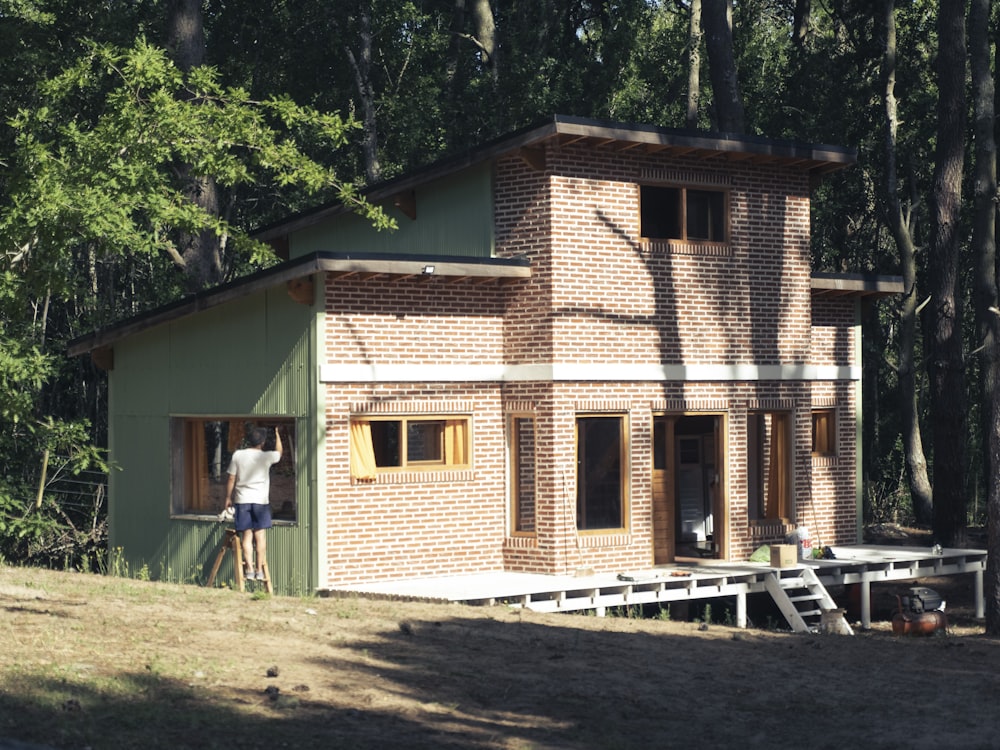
<point x="201" y="517"/>
<point x="766" y="528"/>
<point x="604" y="538"/>
<point x="824" y="459"/>
<point x="521" y="541"/>
<point x="416" y="477"/>
<point x="685" y="247"/>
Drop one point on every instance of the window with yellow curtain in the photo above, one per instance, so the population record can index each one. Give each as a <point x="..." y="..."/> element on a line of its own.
<point x="769" y="465"/>
<point x="201" y="448"/>
<point x="409" y="443"/>
<point x="363" y="467"/>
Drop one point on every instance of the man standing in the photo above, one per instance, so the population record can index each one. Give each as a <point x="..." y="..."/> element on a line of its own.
<point x="248" y="490"/>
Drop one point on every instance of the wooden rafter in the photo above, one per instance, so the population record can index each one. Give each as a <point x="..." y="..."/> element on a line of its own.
<point x="533" y="157"/>
<point x="406" y="201"/>
<point x="302" y="290"/>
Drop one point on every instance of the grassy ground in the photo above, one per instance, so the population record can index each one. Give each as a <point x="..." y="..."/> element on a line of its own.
<point x="98" y="662"/>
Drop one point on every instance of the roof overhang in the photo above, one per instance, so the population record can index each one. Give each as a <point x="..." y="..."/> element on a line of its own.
<point x="425" y="269"/>
<point x="561" y="131"/>
<point x="855" y="285"/>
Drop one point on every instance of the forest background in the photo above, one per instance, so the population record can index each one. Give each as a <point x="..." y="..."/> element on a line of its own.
<point x="144" y="140"/>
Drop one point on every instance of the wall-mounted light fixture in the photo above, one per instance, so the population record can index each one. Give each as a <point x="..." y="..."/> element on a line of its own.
<point x="428" y="270"/>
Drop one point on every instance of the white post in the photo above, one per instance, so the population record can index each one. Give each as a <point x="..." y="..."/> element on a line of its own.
<point x="980" y="603"/>
<point x="866" y="602"/>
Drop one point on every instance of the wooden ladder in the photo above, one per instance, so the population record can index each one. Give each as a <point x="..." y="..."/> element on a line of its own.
<point x="802" y="599"/>
<point x="231" y="543"/>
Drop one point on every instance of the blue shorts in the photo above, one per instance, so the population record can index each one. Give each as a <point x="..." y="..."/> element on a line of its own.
<point x="255" y="516"/>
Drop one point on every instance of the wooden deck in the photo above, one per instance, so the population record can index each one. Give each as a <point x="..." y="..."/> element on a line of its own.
<point x="681" y="581"/>
<point x="867" y="564"/>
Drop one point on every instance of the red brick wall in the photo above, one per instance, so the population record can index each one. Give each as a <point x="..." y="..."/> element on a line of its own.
<point x="416" y="524"/>
<point x="637" y="304"/>
<point x="597" y="296"/>
<point x="425" y="321"/>
<point x="832" y="331"/>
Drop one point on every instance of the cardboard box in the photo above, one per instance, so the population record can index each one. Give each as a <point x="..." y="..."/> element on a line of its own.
<point x="784" y="555"/>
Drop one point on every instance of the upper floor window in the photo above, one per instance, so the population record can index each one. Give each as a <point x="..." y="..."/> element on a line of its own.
<point x="681" y="213"/>
<point x="409" y="444"/>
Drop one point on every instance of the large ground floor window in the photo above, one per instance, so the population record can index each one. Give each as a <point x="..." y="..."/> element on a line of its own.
<point x="769" y="465"/>
<point x="201" y="448"/>
<point x="602" y="472"/>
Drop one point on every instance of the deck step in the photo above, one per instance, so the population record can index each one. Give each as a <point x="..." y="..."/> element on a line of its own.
<point x="806" y="598"/>
<point x="797" y="596"/>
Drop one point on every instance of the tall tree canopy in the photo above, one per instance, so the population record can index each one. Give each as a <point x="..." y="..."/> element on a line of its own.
<point x="121" y="115"/>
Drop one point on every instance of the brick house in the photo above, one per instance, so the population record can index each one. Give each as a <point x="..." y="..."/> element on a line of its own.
<point x="588" y="345"/>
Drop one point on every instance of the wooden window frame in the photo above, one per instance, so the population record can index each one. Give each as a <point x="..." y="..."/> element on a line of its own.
<point x="444" y="462"/>
<point x="624" y="475"/>
<point x="522" y="476"/>
<point x="769" y="468"/>
<point x="824" y="432"/>
<point x="199" y="491"/>
<point x="648" y="203"/>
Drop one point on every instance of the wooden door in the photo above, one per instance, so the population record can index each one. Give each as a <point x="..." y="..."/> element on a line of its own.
<point x="663" y="489"/>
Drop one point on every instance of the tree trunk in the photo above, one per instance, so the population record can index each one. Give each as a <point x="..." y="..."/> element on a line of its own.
<point x="486" y="37"/>
<point x="800" y="22"/>
<point x="454" y="48"/>
<point x="988" y="322"/>
<point x="898" y="222"/>
<point x="201" y="253"/>
<point x="946" y="363"/>
<point x="186" y="34"/>
<point x="361" y="65"/>
<point x="717" y="17"/>
<point x="694" y="65"/>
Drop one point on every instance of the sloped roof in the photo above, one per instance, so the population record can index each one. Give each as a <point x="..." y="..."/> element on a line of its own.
<point x="340" y="265"/>
<point x="559" y="130"/>
<point x="563" y="130"/>
<point x="855" y="284"/>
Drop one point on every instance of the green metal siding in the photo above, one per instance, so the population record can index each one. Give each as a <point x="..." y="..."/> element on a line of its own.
<point x="255" y="355"/>
<point x="454" y="217"/>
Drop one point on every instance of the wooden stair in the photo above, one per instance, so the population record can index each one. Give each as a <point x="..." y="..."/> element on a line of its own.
<point x="802" y="599"/>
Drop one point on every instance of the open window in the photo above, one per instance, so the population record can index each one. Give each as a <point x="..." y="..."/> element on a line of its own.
<point x="521" y="450"/>
<point x="602" y="472"/>
<point x="201" y="448"/>
<point x="824" y="432"/>
<point x="683" y="213"/>
<point x="407" y="443"/>
<point x="769" y="465"/>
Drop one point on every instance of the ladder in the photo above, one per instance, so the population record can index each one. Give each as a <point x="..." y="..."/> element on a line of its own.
<point x="802" y="599"/>
<point x="231" y="543"/>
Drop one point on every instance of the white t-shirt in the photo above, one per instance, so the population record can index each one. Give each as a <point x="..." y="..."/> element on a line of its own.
<point x="252" y="468"/>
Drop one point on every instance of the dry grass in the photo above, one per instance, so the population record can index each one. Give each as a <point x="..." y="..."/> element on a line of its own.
<point x="98" y="662"/>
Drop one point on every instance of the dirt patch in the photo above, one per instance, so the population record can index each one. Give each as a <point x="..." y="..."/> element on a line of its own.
<point x="90" y="661"/>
